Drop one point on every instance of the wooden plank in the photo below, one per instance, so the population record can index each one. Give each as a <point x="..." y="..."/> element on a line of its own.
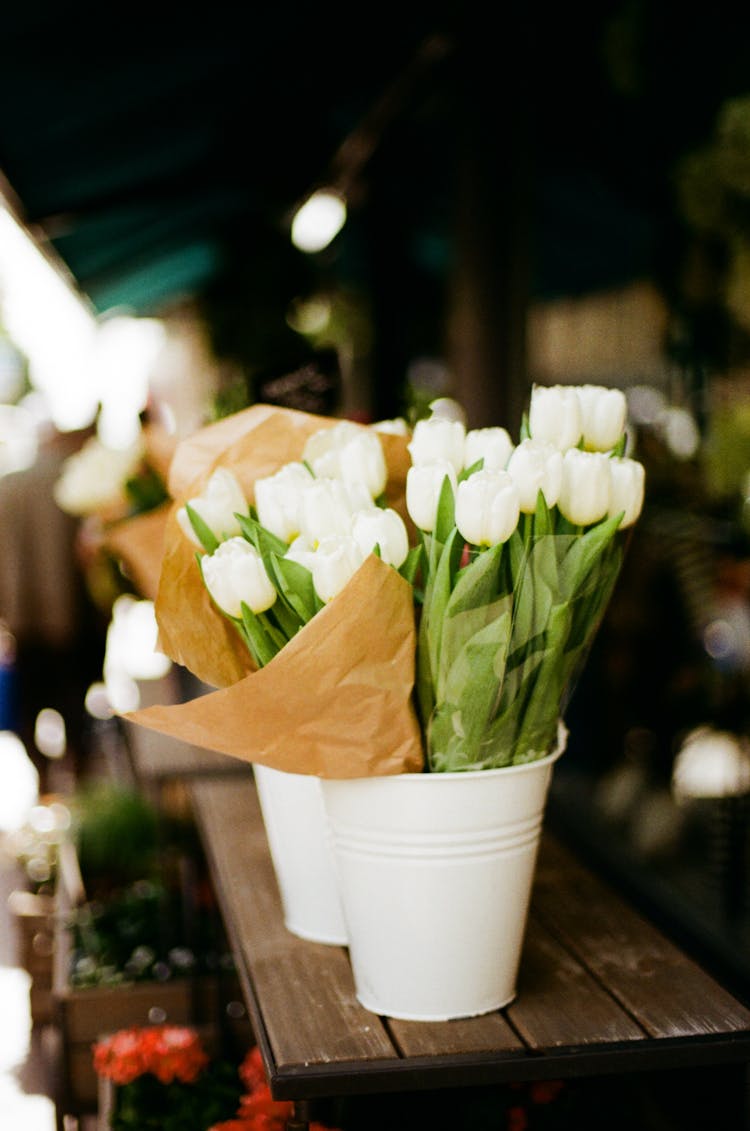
<point x="668" y="993"/>
<point x="459" y="1037"/>
<point x="303" y="990"/>
<point x="559" y="1003"/>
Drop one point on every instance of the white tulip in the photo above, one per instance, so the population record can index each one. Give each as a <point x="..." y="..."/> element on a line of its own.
<point x="487" y="507"/>
<point x="493" y="445"/>
<point x="447" y="409"/>
<point x="585" y="492"/>
<point x="395" y="427"/>
<point x="438" y="439"/>
<point x="325" y="510"/>
<point x="277" y="500"/>
<point x="301" y="551"/>
<point x="555" y="415"/>
<point x="535" y="467"/>
<point x="219" y="502"/>
<point x="349" y="452"/>
<point x="334" y="562"/>
<point x="235" y="573"/>
<point x="627" y="487"/>
<point x="603" y="416"/>
<point x="424" y="483"/>
<point x="384" y="528"/>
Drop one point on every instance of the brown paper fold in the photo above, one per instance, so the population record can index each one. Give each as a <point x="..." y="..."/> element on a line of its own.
<point x="138" y="542"/>
<point x="336" y="702"/>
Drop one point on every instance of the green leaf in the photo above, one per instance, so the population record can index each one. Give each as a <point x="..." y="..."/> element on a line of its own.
<point x="467" y="471"/>
<point x="446" y="511"/>
<point x="264" y="541"/>
<point x="409" y="568"/>
<point x="203" y="532"/>
<point x="294" y="583"/>
<point x="583" y="552"/>
<point x="258" y="639"/>
<point x="478" y="583"/>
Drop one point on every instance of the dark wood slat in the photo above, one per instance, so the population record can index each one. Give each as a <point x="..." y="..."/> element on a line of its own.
<point x="584" y="1012"/>
<point x="490" y="1033"/>
<point x="668" y="993"/>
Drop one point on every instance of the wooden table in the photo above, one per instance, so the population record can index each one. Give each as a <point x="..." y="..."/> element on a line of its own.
<point x="601" y="990"/>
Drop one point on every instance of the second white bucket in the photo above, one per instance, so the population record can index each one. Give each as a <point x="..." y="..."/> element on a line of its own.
<point x="300" y="844"/>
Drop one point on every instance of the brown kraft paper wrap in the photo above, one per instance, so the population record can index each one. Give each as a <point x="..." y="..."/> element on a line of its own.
<point x="337" y="700"/>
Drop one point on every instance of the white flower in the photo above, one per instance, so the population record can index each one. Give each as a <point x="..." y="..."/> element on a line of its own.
<point x="438" y="439"/>
<point x="277" y="500"/>
<point x="301" y="551"/>
<point x="493" y="445"/>
<point x="395" y="427"/>
<point x="627" y="488"/>
<point x="93" y="478"/>
<point x="325" y="510"/>
<point x="385" y="528"/>
<point x="555" y="415"/>
<point x="711" y="763"/>
<point x="334" y="562"/>
<point x="221" y="499"/>
<point x="423" y="485"/>
<point x="585" y="492"/>
<point x="447" y="409"/>
<point x="235" y="573"/>
<point x="487" y="507"/>
<point x="349" y="452"/>
<point x="603" y="416"/>
<point x="536" y="466"/>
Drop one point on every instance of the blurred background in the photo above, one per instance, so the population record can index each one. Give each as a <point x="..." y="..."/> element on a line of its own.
<point x="564" y="198"/>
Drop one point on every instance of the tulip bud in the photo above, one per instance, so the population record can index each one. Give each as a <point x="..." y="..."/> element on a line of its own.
<point x="325" y="510"/>
<point x="235" y="573"/>
<point x="301" y="551"/>
<point x="555" y="416"/>
<point x="277" y="500"/>
<point x="603" y="416"/>
<point x="384" y="528"/>
<point x="487" y="507"/>
<point x="220" y="500"/>
<point x="585" y="491"/>
<point x="349" y="452"/>
<point x="627" y="486"/>
<point x="334" y="562"/>
<point x="535" y="467"/>
<point x="424" y="483"/>
<point x="438" y="439"/>
<point x="493" y="445"/>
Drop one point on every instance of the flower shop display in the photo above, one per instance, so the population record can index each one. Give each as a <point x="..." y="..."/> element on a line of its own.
<point x="161" y="1077"/>
<point x="399" y="615"/>
<point x="132" y="942"/>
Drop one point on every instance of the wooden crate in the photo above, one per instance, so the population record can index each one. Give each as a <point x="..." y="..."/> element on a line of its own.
<point x="34" y="917"/>
<point x="83" y="1015"/>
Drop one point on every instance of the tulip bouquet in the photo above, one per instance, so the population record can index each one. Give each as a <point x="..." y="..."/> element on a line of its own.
<point x="452" y="579"/>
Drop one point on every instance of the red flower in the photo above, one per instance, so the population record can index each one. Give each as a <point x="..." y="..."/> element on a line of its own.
<point x="252" y="1072"/>
<point x="545" y="1091"/>
<point x="168" y="1052"/>
<point x="517" y="1119"/>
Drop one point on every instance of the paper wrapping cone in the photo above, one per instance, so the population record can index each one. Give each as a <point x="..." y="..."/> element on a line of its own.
<point x="336" y="702"/>
<point x="139" y="544"/>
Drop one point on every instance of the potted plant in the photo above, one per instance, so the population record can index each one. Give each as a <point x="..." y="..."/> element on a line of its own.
<point x="403" y="618"/>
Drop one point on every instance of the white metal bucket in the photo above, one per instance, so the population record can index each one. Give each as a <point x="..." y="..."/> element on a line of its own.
<point x="300" y="844"/>
<point x="435" y="874"/>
